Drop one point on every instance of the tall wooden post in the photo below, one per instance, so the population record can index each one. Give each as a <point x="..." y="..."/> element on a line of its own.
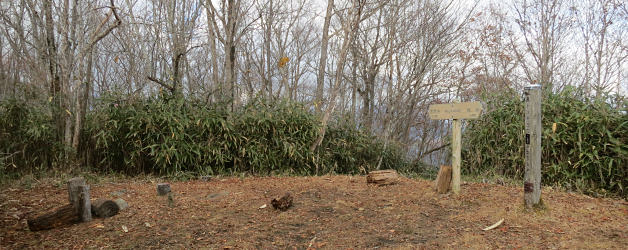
<point x="456" y="145"/>
<point x="532" y="176"/>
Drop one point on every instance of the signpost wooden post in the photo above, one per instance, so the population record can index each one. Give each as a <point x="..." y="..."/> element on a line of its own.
<point x="532" y="175"/>
<point x="456" y="112"/>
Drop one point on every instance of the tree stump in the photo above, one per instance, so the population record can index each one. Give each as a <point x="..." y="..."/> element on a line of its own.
<point x="382" y="177"/>
<point x="282" y="203"/>
<point x="78" y="195"/>
<point x="443" y="180"/>
<point x="64" y="215"/>
<point x="104" y="208"/>
<point x="163" y="189"/>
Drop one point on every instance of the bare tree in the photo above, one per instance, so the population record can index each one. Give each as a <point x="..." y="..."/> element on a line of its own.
<point x="602" y="32"/>
<point x="228" y="24"/>
<point x="544" y="25"/>
<point x="180" y="20"/>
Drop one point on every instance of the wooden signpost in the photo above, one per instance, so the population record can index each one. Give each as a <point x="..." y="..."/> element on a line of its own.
<point x="456" y="112"/>
<point x="532" y="175"/>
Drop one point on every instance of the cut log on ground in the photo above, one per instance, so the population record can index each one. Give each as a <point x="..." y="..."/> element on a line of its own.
<point x="104" y="208"/>
<point x="65" y="215"/>
<point x="382" y="177"/>
<point x="163" y="189"/>
<point x="443" y="180"/>
<point x="282" y="203"/>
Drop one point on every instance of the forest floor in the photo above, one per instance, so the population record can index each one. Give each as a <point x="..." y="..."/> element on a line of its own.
<point x="329" y="212"/>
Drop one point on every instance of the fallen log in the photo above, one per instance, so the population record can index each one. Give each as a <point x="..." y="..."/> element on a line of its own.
<point x="443" y="180"/>
<point x="382" y="177"/>
<point x="104" y="208"/>
<point x="64" y="215"/>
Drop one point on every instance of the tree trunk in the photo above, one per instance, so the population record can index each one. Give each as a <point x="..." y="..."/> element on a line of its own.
<point x="229" y="90"/>
<point x="212" y="36"/>
<point x="268" y="84"/>
<point x="320" y="78"/>
<point x="51" y="56"/>
<point x="342" y="59"/>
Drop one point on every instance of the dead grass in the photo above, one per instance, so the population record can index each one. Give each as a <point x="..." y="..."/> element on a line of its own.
<point x="328" y="212"/>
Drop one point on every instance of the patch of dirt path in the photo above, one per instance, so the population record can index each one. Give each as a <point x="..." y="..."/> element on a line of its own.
<point x="328" y="212"/>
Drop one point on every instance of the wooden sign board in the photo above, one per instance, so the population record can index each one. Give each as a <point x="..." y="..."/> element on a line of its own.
<point x="463" y="110"/>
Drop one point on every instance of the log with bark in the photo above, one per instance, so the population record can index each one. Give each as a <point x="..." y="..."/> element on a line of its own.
<point x="104" y="208"/>
<point x="64" y="215"/>
<point x="443" y="180"/>
<point x="382" y="177"/>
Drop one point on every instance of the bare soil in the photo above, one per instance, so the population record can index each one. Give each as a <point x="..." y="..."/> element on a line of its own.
<point x="328" y="212"/>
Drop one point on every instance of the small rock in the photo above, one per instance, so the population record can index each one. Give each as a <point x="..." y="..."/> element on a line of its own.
<point x="205" y="178"/>
<point x="118" y="193"/>
<point x="263" y="206"/>
<point x="121" y="203"/>
<point x="163" y="189"/>
<point x="125" y="229"/>
<point x="361" y="209"/>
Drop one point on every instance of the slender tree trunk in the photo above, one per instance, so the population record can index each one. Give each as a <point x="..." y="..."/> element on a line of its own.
<point x="320" y="78"/>
<point x="268" y="84"/>
<point x="230" y="53"/>
<point x="214" y="55"/>
<point x="350" y="33"/>
<point x="51" y="56"/>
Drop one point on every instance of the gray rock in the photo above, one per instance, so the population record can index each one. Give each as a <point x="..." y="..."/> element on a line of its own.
<point x="163" y="189"/>
<point x="118" y="193"/>
<point x="121" y="203"/>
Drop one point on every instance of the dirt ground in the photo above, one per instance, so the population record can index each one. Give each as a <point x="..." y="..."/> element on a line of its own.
<point x="329" y="212"/>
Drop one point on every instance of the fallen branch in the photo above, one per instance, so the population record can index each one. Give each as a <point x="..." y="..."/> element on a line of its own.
<point x="494" y="225"/>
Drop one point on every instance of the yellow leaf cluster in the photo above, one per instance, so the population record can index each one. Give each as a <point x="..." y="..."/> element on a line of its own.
<point x="283" y="61"/>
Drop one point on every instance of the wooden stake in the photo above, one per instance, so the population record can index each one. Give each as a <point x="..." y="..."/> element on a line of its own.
<point x="73" y="189"/>
<point x="456" y="145"/>
<point x="78" y="195"/>
<point x="443" y="180"/>
<point x="532" y="175"/>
